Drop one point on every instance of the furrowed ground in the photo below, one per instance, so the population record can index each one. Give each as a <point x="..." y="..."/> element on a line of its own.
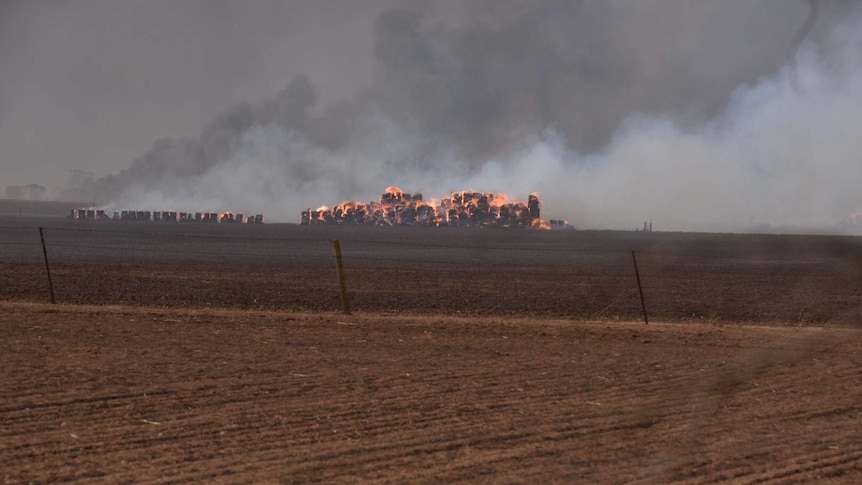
<point x="120" y="394"/>
<point x="218" y="354"/>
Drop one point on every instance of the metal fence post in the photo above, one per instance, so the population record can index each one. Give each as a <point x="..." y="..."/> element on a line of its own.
<point x="640" y="288"/>
<point x="345" y="304"/>
<point x="47" y="268"/>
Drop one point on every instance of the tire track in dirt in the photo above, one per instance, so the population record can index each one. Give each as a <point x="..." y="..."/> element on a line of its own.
<point x="401" y="399"/>
<point x="792" y="429"/>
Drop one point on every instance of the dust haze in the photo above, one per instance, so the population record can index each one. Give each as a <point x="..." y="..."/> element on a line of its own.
<point x="728" y="115"/>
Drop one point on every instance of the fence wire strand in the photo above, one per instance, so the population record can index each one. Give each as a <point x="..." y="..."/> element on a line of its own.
<point x="461" y="275"/>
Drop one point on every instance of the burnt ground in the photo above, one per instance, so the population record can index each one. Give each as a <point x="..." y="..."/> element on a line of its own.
<point x="218" y="354"/>
<point x="766" y="279"/>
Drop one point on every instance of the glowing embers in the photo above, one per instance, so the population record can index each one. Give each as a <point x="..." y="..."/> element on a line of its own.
<point x="853" y="221"/>
<point x="462" y="209"/>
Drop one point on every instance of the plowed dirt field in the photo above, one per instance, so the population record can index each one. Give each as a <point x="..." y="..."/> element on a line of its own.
<point x="219" y="355"/>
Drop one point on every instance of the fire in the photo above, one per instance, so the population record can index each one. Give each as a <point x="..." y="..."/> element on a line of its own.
<point x="853" y="220"/>
<point x="467" y="208"/>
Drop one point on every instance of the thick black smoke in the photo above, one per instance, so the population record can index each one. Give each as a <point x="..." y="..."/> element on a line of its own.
<point x="469" y="101"/>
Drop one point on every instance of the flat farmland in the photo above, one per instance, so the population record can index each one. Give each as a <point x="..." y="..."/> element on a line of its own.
<point x="213" y="353"/>
<point x="766" y="279"/>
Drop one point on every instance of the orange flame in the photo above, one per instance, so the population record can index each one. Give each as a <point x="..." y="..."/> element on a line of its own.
<point x="465" y="208"/>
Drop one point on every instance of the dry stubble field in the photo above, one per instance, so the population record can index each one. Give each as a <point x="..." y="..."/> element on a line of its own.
<point x="218" y="354"/>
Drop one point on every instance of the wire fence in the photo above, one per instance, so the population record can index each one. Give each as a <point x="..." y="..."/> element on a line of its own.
<point x="791" y="280"/>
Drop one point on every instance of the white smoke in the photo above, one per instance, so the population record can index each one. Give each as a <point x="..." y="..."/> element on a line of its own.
<point x="780" y="153"/>
<point x="776" y="156"/>
<point x="279" y="172"/>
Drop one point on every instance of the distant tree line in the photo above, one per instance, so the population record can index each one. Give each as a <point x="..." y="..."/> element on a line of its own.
<point x="25" y="192"/>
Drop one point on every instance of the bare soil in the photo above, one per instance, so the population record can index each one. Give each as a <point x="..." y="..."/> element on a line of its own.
<point x="218" y="354"/>
<point x="766" y="279"/>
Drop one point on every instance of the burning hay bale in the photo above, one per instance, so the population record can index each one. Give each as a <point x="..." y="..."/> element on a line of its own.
<point x="462" y="209"/>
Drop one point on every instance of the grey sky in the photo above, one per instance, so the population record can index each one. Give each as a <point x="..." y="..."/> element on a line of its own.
<point x="90" y="84"/>
<point x="270" y="104"/>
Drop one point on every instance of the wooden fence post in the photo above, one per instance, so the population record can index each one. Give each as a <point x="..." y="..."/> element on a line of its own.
<point x="345" y="304"/>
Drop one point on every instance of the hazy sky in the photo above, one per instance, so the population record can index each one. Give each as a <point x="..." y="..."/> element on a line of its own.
<point x="90" y="84"/>
<point x="681" y="111"/>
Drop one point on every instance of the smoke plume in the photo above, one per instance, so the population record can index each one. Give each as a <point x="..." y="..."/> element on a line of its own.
<point x="683" y="113"/>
